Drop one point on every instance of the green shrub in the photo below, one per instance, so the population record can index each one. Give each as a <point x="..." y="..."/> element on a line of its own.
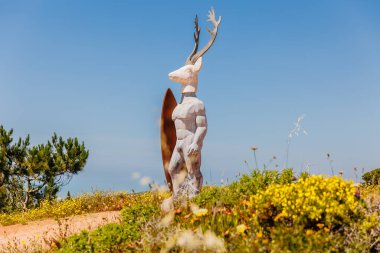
<point x="299" y="239"/>
<point x="372" y="177"/>
<point x="109" y="238"/>
<point x="258" y="180"/>
<point x="113" y="237"/>
<point x="283" y="239"/>
<point x="139" y="213"/>
<point x="247" y="185"/>
<point x="216" y="196"/>
<point x="304" y="175"/>
<point x="364" y="235"/>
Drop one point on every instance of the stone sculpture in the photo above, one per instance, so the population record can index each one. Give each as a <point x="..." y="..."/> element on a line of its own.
<point x="183" y="171"/>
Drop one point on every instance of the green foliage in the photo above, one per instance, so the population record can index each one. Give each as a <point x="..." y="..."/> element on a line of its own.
<point x="299" y="239"/>
<point x="247" y="185"/>
<point x="313" y="214"/>
<point x="216" y="196"/>
<point x="29" y="175"/>
<point x="109" y="238"/>
<point x="264" y="212"/>
<point x="139" y="213"/>
<point x="372" y="177"/>
<point x="250" y="184"/>
<point x="11" y="156"/>
<point x="304" y="175"/>
<point x="362" y="235"/>
<point x="113" y="237"/>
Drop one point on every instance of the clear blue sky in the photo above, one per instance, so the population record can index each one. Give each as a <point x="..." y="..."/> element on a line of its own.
<point x="98" y="70"/>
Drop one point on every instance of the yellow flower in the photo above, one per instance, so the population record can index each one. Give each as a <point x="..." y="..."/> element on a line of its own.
<point x="241" y="228"/>
<point x="23" y="242"/>
<point x="259" y="234"/>
<point x="279" y="216"/>
<point x="200" y="212"/>
<point x="320" y="225"/>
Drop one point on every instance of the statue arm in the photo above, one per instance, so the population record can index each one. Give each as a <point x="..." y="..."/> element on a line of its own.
<point x="200" y="132"/>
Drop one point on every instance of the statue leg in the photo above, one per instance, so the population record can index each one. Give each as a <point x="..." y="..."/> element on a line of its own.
<point x="193" y="164"/>
<point x="175" y="170"/>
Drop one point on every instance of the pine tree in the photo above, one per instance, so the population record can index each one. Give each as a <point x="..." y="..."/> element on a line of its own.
<point x="29" y="175"/>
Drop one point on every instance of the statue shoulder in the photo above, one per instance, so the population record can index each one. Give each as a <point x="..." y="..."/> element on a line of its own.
<point x="198" y="105"/>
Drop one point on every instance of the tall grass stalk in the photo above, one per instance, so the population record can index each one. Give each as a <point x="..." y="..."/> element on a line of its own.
<point x="297" y="129"/>
<point x="254" y="155"/>
<point x="330" y="163"/>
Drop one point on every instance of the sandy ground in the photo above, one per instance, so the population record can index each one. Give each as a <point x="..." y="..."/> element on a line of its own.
<point x="44" y="233"/>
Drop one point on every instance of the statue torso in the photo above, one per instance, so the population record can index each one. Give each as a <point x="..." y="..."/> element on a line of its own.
<point x="184" y="116"/>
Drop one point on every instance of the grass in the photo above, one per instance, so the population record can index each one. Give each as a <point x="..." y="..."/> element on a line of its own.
<point x="262" y="212"/>
<point x="98" y="201"/>
<point x="266" y="211"/>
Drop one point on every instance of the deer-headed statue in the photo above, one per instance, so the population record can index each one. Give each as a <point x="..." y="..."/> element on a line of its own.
<point x="188" y="74"/>
<point x="190" y="121"/>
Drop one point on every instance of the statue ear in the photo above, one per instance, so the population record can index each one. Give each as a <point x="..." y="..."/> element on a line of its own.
<point x="198" y="64"/>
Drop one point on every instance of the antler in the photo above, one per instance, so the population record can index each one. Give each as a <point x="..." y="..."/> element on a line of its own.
<point x="214" y="32"/>
<point x="196" y="38"/>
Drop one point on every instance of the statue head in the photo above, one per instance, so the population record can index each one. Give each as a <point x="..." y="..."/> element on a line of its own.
<point x="187" y="75"/>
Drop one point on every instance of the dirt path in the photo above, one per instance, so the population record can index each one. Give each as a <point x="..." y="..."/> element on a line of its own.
<point x="42" y="234"/>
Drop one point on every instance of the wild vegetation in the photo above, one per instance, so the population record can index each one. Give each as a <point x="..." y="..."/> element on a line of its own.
<point x="99" y="201"/>
<point x="372" y="177"/>
<point x="266" y="211"/>
<point x="30" y="175"/>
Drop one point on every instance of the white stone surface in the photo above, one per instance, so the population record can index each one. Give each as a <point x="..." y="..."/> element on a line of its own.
<point x="190" y="121"/>
<point x="187" y="76"/>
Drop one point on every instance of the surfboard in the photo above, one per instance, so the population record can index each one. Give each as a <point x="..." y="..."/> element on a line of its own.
<point x="168" y="134"/>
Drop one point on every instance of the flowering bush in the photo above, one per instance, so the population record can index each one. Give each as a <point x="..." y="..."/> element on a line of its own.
<point x="311" y="201"/>
<point x="247" y="185"/>
<point x="263" y="212"/>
